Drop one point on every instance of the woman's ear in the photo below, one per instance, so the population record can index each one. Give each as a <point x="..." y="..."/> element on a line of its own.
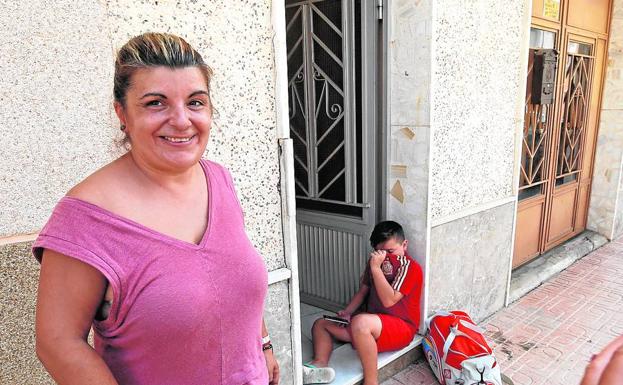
<point x="120" y="111"/>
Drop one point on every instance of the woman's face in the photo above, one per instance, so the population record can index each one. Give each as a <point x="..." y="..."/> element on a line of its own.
<point x="167" y="115"/>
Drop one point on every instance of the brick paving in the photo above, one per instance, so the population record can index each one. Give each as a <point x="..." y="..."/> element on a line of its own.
<point x="548" y="336"/>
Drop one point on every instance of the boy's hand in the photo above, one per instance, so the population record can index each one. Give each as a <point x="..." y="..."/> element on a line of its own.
<point x="344" y="314"/>
<point x="376" y="258"/>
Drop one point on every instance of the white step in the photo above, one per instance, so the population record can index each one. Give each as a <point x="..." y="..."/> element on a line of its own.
<point x="344" y="358"/>
<point x="347" y="366"/>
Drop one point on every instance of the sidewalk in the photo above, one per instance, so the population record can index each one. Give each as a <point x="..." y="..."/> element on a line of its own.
<point x="548" y="336"/>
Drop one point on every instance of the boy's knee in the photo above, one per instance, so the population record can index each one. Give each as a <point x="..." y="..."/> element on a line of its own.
<point x="360" y="324"/>
<point x="320" y="323"/>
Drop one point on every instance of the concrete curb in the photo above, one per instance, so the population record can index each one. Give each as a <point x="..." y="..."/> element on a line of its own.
<point x="533" y="274"/>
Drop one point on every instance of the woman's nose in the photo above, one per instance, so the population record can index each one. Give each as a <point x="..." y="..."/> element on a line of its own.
<point x="180" y="118"/>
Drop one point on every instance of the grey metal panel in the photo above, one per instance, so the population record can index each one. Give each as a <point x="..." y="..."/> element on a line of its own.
<point x="350" y="153"/>
<point x="310" y="100"/>
<point x="330" y="263"/>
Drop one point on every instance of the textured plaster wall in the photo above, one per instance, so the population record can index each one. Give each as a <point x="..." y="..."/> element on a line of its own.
<point x="457" y="73"/>
<point x="55" y="105"/>
<point x="476" y="80"/>
<point x="410" y="37"/>
<point x="57" y="92"/>
<point x="469" y="261"/>
<point x="19" y="274"/>
<point x="58" y="126"/>
<point x="605" y="213"/>
<point x="277" y="316"/>
<point x="457" y="70"/>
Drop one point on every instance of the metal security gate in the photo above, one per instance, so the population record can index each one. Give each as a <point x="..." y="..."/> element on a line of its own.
<point x="332" y="75"/>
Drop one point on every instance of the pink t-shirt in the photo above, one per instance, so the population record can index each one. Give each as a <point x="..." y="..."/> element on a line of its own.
<point x="182" y="313"/>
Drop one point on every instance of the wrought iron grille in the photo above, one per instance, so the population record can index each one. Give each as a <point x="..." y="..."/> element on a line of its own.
<point x="322" y="61"/>
<point x="538" y="123"/>
<point x="577" y="81"/>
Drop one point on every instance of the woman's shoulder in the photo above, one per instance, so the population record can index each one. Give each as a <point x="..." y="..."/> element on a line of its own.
<point x="212" y="165"/>
<point x="99" y="187"/>
<point x="218" y="169"/>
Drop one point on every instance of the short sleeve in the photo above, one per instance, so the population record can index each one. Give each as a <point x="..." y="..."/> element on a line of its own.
<point x="408" y="275"/>
<point x="72" y="232"/>
<point x="75" y="251"/>
<point x="365" y="277"/>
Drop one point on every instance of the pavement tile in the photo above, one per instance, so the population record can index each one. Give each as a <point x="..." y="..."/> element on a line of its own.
<point x="416" y="374"/>
<point x="548" y="336"/>
<point x="392" y="381"/>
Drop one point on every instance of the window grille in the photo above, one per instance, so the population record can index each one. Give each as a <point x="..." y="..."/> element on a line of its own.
<point x="323" y="60"/>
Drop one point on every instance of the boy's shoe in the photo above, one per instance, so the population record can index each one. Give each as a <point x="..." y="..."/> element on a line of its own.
<point x="315" y="375"/>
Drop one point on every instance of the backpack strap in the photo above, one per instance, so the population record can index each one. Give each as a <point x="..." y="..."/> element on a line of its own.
<point x="472" y="326"/>
<point x="455" y="332"/>
<point x="449" y="341"/>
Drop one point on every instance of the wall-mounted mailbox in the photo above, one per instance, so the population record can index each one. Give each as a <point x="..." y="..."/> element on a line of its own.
<point x="544" y="76"/>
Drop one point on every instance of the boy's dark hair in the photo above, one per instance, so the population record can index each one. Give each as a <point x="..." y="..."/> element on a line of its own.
<point x="386" y="230"/>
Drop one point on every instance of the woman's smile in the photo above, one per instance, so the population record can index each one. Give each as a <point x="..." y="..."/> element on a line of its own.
<point x="178" y="140"/>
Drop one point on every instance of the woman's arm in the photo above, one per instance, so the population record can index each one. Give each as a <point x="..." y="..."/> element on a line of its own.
<point x="271" y="362"/>
<point x="69" y="294"/>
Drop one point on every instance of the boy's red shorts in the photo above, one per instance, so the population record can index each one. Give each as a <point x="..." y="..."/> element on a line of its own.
<point x="395" y="334"/>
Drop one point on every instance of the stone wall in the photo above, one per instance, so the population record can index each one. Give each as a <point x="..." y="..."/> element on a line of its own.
<point x="409" y="106"/>
<point x="469" y="262"/>
<point x="59" y="126"/>
<point x="605" y="213"/>
<point x="477" y="91"/>
<point x="457" y="86"/>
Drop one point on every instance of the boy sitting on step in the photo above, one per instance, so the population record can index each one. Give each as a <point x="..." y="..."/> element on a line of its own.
<point x="390" y="285"/>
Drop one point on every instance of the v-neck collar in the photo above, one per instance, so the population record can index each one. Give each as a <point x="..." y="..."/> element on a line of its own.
<point x="208" y="175"/>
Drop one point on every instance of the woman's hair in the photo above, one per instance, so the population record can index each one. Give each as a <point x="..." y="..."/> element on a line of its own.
<point x="154" y="49"/>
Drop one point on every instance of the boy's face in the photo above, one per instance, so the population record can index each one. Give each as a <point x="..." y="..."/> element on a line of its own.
<point x="393" y="246"/>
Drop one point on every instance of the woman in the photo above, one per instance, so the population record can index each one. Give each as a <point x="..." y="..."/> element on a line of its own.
<point x="151" y="249"/>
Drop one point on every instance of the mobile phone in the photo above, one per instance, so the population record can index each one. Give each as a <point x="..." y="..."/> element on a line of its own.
<point x="336" y="319"/>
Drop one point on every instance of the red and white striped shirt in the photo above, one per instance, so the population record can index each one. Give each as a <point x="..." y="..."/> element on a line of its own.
<point x="404" y="274"/>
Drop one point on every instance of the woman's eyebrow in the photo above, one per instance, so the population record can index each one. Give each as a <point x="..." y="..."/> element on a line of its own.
<point x="199" y="92"/>
<point x="153" y="94"/>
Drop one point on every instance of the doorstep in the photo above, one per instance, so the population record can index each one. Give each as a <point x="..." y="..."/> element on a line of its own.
<point x="344" y="358"/>
<point x="348" y="369"/>
<point x="531" y="275"/>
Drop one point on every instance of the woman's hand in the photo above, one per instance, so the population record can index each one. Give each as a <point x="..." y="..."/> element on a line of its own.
<point x="272" y="366"/>
<point x="606" y="368"/>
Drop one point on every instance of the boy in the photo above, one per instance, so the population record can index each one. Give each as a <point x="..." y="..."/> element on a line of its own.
<point x="391" y="287"/>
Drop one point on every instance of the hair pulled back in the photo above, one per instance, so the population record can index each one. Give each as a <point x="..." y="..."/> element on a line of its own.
<point x="153" y="49"/>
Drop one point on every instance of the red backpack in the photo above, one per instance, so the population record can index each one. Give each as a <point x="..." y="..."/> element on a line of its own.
<point x="457" y="351"/>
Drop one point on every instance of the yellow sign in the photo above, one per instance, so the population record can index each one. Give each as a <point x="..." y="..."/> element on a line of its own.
<point x="551" y="8"/>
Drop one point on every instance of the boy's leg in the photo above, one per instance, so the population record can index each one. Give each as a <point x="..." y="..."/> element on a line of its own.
<point x="366" y="329"/>
<point x="323" y="333"/>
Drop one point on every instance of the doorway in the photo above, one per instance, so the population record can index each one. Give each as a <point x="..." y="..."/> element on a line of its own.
<point x="333" y="87"/>
<point x="559" y="132"/>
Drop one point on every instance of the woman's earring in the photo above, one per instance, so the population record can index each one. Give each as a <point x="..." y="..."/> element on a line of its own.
<point x="122" y="127"/>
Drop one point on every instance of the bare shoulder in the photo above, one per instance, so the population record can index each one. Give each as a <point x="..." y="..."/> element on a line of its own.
<point x="99" y="187"/>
